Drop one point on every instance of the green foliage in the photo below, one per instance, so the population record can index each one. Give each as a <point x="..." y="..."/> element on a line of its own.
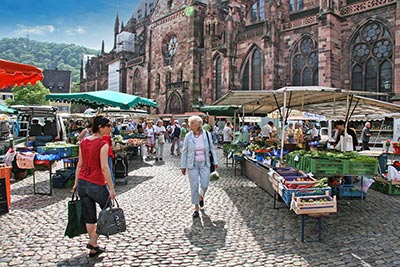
<point x="29" y="95"/>
<point x="45" y="55"/>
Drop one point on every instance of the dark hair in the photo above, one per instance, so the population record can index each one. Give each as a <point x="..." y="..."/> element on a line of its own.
<point x="90" y="125"/>
<point x="98" y="122"/>
<point x="341" y="122"/>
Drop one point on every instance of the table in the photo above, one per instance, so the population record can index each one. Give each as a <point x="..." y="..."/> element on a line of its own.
<point x="44" y="168"/>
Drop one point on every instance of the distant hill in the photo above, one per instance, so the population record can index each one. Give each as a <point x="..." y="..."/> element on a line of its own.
<point x="45" y="55"/>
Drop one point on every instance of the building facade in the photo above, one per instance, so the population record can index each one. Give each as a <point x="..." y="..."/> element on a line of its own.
<point x="188" y="53"/>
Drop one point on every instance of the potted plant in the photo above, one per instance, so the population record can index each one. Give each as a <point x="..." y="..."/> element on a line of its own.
<point x="396" y="147"/>
<point x="387" y="145"/>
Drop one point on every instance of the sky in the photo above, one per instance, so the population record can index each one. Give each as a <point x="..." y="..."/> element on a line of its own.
<point x="80" y="22"/>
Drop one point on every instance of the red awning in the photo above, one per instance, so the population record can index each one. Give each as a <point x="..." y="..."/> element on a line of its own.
<point x="12" y="73"/>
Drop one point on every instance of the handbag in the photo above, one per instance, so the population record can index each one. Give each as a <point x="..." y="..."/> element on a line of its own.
<point x="76" y="224"/>
<point x="212" y="167"/>
<point x="111" y="219"/>
<point x="161" y="139"/>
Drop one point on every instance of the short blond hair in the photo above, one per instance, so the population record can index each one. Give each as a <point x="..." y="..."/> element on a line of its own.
<point x="196" y="119"/>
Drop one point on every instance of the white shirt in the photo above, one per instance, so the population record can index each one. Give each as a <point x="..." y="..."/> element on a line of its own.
<point x="159" y="129"/>
<point x="227" y="132"/>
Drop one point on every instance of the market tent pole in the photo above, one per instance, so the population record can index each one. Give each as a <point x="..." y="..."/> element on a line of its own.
<point x="283" y="116"/>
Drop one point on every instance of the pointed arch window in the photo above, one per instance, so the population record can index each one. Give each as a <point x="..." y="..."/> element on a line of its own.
<point x="252" y="71"/>
<point x="305" y="62"/>
<point x="218" y="78"/>
<point x="137" y="90"/>
<point x="372" y="59"/>
<point x="258" y="11"/>
<point x="296" y="5"/>
<point x="158" y="82"/>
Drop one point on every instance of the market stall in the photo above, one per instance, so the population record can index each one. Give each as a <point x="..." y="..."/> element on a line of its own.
<point x="103" y="100"/>
<point x="333" y="103"/>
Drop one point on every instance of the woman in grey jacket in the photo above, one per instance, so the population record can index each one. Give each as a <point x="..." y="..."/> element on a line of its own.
<point x="196" y="160"/>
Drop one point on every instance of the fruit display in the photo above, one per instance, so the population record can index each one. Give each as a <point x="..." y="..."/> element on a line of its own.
<point x="319" y="204"/>
<point x="136" y="141"/>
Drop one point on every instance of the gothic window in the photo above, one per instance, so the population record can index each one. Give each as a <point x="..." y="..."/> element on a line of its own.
<point x="252" y="71"/>
<point x="218" y="78"/>
<point x="158" y="82"/>
<point x="258" y="11"/>
<point x="180" y="75"/>
<point x="296" y="5"/>
<point x="137" y="90"/>
<point x="305" y="63"/>
<point x="256" y="70"/>
<point x="168" y="78"/>
<point x="371" y="56"/>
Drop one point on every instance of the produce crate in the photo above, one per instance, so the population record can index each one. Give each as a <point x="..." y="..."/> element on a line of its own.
<point x="287" y="193"/>
<point x="349" y="191"/>
<point x="314" y="204"/>
<point x="386" y="188"/>
<point x="361" y="168"/>
<point x="323" y="166"/>
<point x="74" y="151"/>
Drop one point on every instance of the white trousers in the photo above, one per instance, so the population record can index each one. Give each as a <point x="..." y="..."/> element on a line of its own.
<point x="199" y="175"/>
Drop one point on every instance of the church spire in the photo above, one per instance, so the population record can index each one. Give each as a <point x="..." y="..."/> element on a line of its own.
<point x="102" y="47"/>
<point x="116" y="30"/>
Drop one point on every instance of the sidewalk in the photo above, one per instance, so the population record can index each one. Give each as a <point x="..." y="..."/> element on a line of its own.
<point x="238" y="226"/>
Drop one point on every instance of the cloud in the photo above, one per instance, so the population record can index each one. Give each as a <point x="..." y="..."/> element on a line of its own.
<point x="34" y="30"/>
<point x="75" y="31"/>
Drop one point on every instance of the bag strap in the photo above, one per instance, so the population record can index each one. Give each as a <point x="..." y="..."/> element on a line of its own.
<point x="110" y="203"/>
<point x="74" y="195"/>
<point x="208" y="139"/>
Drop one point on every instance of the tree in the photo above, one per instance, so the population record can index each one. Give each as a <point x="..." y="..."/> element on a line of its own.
<point x="29" y="95"/>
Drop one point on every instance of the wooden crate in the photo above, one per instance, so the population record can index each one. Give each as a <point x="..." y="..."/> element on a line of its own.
<point x="303" y="206"/>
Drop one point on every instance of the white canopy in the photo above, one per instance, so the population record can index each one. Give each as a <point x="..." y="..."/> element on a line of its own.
<point x="333" y="103"/>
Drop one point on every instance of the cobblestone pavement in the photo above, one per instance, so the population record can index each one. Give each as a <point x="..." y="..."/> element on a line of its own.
<point x="238" y="226"/>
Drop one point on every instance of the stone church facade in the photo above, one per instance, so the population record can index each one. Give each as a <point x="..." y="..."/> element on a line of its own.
<point x="189" y="53"/>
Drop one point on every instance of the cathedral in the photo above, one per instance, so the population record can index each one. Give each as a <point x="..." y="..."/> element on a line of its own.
<point x="188" y="53"/>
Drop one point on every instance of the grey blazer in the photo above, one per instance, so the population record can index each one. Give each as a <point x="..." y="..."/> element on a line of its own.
<point x="189" y="149"/>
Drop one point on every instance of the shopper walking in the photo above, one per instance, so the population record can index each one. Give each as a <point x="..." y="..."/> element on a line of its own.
<point x="159" y="131"/>
<point x="93" y="179"/>
<point x="227" y="133"/>
<point x="176" y="138"/>
<point x="150" y="139"/>
<point x="196" y="161"/>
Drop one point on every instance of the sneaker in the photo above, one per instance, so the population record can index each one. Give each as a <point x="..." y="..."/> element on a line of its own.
<point x="201" y="203"/>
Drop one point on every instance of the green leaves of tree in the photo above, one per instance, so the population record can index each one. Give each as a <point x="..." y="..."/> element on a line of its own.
<point x="29" y="95"/>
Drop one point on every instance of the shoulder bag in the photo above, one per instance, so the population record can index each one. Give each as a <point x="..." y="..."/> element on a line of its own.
<point x="111" y="219"/>
<point x="212" y="167"/>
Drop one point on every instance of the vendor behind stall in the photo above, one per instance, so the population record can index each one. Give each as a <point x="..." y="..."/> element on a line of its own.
<point x="340" y="125"/>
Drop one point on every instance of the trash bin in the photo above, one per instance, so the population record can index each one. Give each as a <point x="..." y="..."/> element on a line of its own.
<point x="5" y="197"/>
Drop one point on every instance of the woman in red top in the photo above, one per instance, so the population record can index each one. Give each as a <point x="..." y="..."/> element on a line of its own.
<point x="93" y="177"/>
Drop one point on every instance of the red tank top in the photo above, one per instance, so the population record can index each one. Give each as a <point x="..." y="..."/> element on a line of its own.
<point x="91" y="167"/>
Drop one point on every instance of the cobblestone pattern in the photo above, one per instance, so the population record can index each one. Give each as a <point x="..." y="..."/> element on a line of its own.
<point x="238" y="226"/>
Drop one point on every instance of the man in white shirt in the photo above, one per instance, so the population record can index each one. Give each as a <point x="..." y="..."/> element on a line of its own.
<point x="227" y="133"/>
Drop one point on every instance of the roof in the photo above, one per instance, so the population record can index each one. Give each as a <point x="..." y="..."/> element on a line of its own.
<point x="329" y="102"/>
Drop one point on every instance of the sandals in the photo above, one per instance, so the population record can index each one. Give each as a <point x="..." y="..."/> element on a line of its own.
<point x="201" y="203"/>
<point x="97" y="250"/>
<point x="196" y="214"/>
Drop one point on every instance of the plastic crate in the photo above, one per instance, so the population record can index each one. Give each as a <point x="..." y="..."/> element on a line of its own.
<point x="361" y="168"/>
<point x="323" y="166"/>
<point x="386" y="188"/>
<point x="287" y="193"/>
<point x="349" y="191"/>
<point x="74" y="151"/>
<point x="64" y="152"/>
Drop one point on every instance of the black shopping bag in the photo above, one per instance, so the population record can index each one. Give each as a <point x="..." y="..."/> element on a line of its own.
<point x="111" y="219"/>
<point x="76" y="224"/>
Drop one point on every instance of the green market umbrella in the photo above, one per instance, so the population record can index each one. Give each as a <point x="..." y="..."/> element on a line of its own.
<point x="5" y="109"/>
<point x="104" y="98"/>
<point x="227" y="110"/>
